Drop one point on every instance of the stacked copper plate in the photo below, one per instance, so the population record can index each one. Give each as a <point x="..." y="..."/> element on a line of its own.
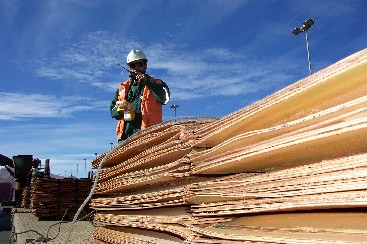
<point x="26" y="197"/>
<point x="56" y="198"/>
<point x="290" y="168"/>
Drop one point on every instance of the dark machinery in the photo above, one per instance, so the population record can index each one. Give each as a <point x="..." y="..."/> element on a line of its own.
<point x="21" y="168"/>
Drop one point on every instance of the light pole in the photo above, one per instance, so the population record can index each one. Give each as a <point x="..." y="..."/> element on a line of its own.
<point x="111" y="143"/>
<point x="174" y="106"/>
<point x="77" y="170"/>
<point x="306" y="25"/>
<point x="85" y="165"/>
<point x="96" y="154"/>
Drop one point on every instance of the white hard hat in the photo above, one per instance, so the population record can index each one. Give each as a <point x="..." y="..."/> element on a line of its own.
<point x="135" y="55"/>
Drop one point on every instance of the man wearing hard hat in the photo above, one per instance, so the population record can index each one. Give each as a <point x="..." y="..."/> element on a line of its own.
<point x="138" y="101"/>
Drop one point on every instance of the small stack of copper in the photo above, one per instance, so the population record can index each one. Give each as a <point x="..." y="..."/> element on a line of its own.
<point x="58" y="198"/>
<point x="26" y="197"/>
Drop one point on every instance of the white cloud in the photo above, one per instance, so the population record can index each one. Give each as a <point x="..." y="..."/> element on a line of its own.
<point x="66" y="145"/>
<point x="203" y="72"/>
<point x="43" y="106"/>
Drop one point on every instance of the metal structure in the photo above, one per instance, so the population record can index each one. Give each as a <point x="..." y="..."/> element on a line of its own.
<point x="305" y="27"/>
<point x="174" y="106"/>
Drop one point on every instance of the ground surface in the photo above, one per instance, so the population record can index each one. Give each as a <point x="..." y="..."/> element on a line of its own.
<point x="32" y="230"/>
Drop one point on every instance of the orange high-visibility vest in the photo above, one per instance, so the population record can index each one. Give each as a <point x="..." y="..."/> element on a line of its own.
<point x="151" y="109"/>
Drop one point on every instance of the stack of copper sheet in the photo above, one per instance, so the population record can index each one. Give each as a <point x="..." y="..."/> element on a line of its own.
<point x="55" y="198"/>
<point x="338" y="183"/>
<point x="290" y="168"/>
<point x="26" y="197"/>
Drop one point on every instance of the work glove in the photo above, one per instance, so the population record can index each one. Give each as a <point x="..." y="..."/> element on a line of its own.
<point x="116" y="114"/>
<point x="123" y="110"/>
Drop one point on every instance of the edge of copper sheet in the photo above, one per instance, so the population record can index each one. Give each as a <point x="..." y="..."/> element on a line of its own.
<point x="326" y="88"/>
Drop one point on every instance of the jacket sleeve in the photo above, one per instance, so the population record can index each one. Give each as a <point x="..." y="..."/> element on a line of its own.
<point x="113" y="108"/>
<point x="159" y="89"/>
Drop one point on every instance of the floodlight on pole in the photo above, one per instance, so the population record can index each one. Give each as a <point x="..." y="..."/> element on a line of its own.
<point x="305" y="27"/>
<point x="174" y="106"/>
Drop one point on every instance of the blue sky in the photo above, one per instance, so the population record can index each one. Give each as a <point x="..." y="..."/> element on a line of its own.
<point x="59" y="61"/>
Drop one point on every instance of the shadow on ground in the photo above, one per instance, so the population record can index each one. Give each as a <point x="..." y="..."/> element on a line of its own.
<point x="5" y="226"/>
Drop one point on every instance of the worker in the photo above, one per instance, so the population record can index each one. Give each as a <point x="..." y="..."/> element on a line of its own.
<point x="34" y="172"/>
<point x="137" y="103"/>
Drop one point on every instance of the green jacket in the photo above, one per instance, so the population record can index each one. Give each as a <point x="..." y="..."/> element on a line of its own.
<point x="159" y="90"/>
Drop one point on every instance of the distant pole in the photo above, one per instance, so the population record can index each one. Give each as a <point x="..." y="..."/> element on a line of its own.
<point x="111" y="143"/>
<point x="85" y="165"/>
<point x="308" y="53"/>
<point x="305" y="27"/>
<point x="96" y="154"/>
<point x="174" y="106"/>
<point x="77" y="170"/>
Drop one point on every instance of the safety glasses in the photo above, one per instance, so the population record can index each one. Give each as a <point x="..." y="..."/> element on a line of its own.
<point x="136" y="64"/>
